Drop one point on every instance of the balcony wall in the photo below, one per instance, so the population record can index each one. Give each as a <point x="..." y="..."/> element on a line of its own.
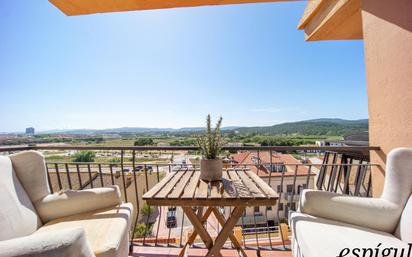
<point x="387" y="33"/>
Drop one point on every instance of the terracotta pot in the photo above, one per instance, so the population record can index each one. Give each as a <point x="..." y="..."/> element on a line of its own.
<point x="211" y="170"/>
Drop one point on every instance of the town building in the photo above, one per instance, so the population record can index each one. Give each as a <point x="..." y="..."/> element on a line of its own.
<point x="30" y="131"/>
<point x="285" y="174"/>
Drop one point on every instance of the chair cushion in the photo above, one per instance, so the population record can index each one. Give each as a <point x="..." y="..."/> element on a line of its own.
<point x="404" y="229"/>
<point x="30" y="168"/>
<point x="106" y="229"/>
<point x="18" y="217"/>
<point x="318" y="237"/>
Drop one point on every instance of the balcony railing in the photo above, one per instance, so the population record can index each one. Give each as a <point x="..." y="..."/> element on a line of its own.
<point x="344" y="170"/>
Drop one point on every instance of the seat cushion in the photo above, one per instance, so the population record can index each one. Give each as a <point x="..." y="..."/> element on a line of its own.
<point x="18" y="217"/>
<point x="107" y="230"/>
<point x="404" y="229"/>
<point x="318" y="237"/>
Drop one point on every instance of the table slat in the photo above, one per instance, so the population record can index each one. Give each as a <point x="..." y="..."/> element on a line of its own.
<point x="202" y="189"/>
<point x="153" y="191"/>
<point x="229" y="190"/>
<point x="253" y="189"/>
<point x="180" y="186"/>
<point x="262" y="185"/>
<point x="190" y="189"/>
<point x="164" y="192"/>
<point x="241" y="190"/>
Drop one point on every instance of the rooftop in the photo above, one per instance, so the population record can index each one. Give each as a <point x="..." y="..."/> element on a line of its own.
<point x="251" y="159"/>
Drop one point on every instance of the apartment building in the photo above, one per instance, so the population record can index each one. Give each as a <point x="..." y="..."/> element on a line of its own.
<point x="285" y="174"/>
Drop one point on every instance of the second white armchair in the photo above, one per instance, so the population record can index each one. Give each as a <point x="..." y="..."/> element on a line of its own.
<point x="329" y="224"/>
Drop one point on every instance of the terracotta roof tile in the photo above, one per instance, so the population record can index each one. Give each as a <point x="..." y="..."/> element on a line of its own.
<point x="249" y="158"/>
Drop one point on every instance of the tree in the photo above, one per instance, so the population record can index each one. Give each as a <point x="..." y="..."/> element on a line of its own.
<point x="143" y="230"/>
<point x="84" y="156"/>
<point x="147" y="210"/>
<point x="115" y="160"/>
<point x="143" y="141"/>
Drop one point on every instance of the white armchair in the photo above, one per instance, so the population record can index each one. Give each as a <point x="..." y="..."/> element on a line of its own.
<point x="326" y="223"/>
<point x="71" y="223"/>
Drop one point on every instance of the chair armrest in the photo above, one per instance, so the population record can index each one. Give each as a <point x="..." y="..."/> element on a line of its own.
<point x="374" y="213"/>
<point x="60" y="243"/>
<point x="70" y="202"/>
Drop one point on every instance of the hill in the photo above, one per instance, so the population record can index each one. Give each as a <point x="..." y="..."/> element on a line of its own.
<point x="328" y="127"/>
<point x="322" y="127"/>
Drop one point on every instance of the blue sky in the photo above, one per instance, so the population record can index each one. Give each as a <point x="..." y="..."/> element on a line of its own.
<point x="169" y="68"/>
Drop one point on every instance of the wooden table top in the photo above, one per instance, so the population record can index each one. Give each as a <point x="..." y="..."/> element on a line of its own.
<point x="238" y="187"/>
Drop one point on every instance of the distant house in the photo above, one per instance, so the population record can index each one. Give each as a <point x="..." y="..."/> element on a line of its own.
<point x="330" y="143"/>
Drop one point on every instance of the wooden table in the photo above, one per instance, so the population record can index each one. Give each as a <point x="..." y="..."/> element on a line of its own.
<point x="239" y="188"/>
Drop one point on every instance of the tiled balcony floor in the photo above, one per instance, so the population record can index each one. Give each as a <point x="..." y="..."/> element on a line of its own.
<point x="140" y="251"/>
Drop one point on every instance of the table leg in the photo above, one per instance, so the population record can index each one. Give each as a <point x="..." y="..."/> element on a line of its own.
<point x="225" y="232"/>
<point x="198" y="226"/>
<point x="204" y="218"/>
<point x="221" y="219"/>
<point x="193" y="236"/>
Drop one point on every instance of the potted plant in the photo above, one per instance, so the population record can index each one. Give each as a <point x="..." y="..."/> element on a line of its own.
<point x="210" y="144"/>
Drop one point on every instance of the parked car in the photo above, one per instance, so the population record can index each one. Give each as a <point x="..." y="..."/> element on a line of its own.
<point x="138" y="167"/>
<point x="171" y="219"/>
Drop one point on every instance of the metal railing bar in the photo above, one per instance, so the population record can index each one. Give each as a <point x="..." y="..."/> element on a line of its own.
<point x="79" y="177"/>
<point x="56" y="168"/>
<point x="122" y="173"/>
<point x="48" y="179"/>
<point x="90" y="176"/>
<point x="101" y="175"/>
<point x="69" y="181"/>
<point x="111" y="173"/>
<point x="160" y="207"/>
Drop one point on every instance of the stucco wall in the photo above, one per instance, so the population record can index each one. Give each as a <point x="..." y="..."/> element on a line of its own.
<point x="387" y="28"/>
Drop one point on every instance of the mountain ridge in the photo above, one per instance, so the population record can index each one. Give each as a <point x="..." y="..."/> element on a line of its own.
<point x="327" y="126"/>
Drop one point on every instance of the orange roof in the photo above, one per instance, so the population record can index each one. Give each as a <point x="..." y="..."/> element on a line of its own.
<point x="249" y="158"/>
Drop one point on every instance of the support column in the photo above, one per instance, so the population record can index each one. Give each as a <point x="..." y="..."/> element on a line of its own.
<point x="387" y="34"/>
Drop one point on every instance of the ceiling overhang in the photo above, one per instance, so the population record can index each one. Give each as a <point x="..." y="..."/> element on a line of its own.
<point x="332" y="20"/>
<point x="81" y="7"/>
<point x="322" y="19"/>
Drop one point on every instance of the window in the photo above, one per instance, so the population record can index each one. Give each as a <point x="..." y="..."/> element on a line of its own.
<point x="280" y="206"/>
<point x="276" y="167"/>
<point x="279" y="189"/>
<point x="300" y="188"/>
<point x="289" y="189"/>
<point x="256" y="209"/>
<point x="268" y="208"/>
<point x="256" y="160"/>
<point x="292" y="206"/>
